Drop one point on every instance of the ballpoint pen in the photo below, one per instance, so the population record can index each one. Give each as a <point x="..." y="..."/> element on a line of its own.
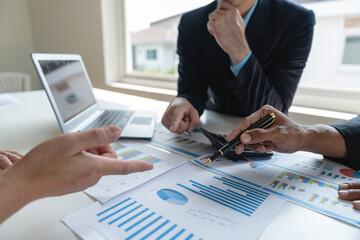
<point x="263" y="123"/>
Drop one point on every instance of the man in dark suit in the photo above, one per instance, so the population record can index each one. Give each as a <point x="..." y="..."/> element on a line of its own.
<point x="237" y="55"/>
<point x="339" y="142"/>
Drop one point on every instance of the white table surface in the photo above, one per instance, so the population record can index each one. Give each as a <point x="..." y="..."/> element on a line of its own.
<point x="24" y="125"/>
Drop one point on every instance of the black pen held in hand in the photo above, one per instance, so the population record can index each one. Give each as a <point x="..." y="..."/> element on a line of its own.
<point x="263" y="123"/>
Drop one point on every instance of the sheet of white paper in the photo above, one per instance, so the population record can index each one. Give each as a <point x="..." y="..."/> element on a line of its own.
<point x="194" y="145"/>
<point x="186" y="203"/>
<point x="303" y="178"/>
<point x="7" y="99"/>
<point x="163" y="161"/>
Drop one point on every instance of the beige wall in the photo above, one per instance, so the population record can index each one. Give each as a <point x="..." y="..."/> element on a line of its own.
<point x="51" y="26"/>
<point x="70" y="26"/>
<point x="16" y="42"/>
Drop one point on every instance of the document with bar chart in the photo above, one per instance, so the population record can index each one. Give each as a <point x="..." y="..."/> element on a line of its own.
<point x="113" y="185"/>
<point x="187" y="203"/>
<point x="192" y="146"/>
<point x="303" y="178"/>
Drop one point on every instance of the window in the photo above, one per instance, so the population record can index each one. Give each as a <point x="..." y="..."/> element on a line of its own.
<point x="151" y="54"/>
<point x="331" y="78"/>
<point x="352" y="50"/>
<point x="152" y="37"/>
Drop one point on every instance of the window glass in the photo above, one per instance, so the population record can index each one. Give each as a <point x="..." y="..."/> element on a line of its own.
<point x="152" y="27"/>
<point x="151" y="54"/>
<point x="352" y="50"/>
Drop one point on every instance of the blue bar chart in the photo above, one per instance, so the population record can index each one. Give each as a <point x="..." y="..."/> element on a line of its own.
<point x="245" y="202"/>
<point x="135" y="221"/>
<point x="190" y="203"/>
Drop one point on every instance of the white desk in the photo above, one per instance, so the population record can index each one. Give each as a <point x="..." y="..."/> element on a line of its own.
<point x="22" y="126"/>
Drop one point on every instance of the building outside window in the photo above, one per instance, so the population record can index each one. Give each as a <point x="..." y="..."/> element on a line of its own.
<point x="333" y="65"/>
<point x="153" y="36"/>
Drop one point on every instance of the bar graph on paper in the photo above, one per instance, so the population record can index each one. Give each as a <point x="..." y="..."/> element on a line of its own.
<point x="318" y="193"/>
<point x="136" y="221"/>
<point x="125" y="153"/>
<point x="245" y="201"/>
<point x="188" y="203"/>
<point x="113" y="185"/>
<point x="306" y="179"/>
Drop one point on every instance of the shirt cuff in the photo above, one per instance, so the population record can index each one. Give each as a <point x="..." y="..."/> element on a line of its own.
<point x="237" y="68"/>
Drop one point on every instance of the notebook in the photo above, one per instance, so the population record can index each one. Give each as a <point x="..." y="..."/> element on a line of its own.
<point x="70" y="93"/>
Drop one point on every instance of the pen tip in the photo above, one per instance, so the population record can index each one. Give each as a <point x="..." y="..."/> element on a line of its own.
<point x="207" y="161"/>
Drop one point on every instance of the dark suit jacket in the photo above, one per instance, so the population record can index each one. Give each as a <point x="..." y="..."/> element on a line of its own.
<point x="351" y="133"/>
<point x="279" y="34"/>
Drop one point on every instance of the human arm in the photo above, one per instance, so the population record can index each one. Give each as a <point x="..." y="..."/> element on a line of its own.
<point x="61" y="165"/>
<point x="180" y="116"/>
<point x="274" y="81"/>
<point x="272" y="72"/>
<point x="287" y="136"/>
<point x="228" y="28"/>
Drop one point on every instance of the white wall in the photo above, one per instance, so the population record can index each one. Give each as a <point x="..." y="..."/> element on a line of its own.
<point x="16" y="41"/>
<point x="70" y="26"/>
<point x="51" y="26"/>
<point x="324" y="68"/>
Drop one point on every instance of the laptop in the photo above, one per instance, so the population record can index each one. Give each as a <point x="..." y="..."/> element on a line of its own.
<point x="70" y="93"/>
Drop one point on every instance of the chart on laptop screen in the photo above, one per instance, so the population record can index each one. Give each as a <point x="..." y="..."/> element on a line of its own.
<point x="69" y="86"/>
<point x="127" y="150"/>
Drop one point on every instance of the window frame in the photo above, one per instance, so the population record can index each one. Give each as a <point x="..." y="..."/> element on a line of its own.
<point x="342" y="100"/>
<point x="127" y="75"/>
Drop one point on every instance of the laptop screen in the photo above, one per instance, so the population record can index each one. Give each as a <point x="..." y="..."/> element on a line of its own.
<point x="69" y="86"/>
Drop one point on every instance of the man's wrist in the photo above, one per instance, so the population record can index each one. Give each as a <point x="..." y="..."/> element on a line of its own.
<point x="309" y="138"/>
<point x="240" y="55"/>
<point x="15" y="192"/>
<point x="325" y="140"/>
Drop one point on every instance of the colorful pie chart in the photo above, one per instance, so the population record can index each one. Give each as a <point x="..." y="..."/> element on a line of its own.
<point x="257" y="165"/>
<point x="350" y="173"/>
<point x="172" y="196"/>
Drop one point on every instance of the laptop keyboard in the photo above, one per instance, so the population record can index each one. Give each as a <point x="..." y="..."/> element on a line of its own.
<point x="111" y="117"/>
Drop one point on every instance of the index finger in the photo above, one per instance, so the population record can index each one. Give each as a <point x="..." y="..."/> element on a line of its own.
<point x="98" y="137"/>
<point x="248" y="121"/>
<point x="111" y="166"/>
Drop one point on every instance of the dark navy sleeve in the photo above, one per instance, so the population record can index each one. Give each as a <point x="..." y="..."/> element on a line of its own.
<point x="191" y="83"/>
<point x="350" y="130"/>
<point x="277" y="85"/>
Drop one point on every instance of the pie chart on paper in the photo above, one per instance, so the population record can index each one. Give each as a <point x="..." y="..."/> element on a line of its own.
<point x="172" y="196"/>
<point x="257" y="165"/>
<point x="350" y="173"/>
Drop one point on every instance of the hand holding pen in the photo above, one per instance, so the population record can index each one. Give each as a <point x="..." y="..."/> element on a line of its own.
<point x="262" y="123"/>
<point x="284" y="135"/>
